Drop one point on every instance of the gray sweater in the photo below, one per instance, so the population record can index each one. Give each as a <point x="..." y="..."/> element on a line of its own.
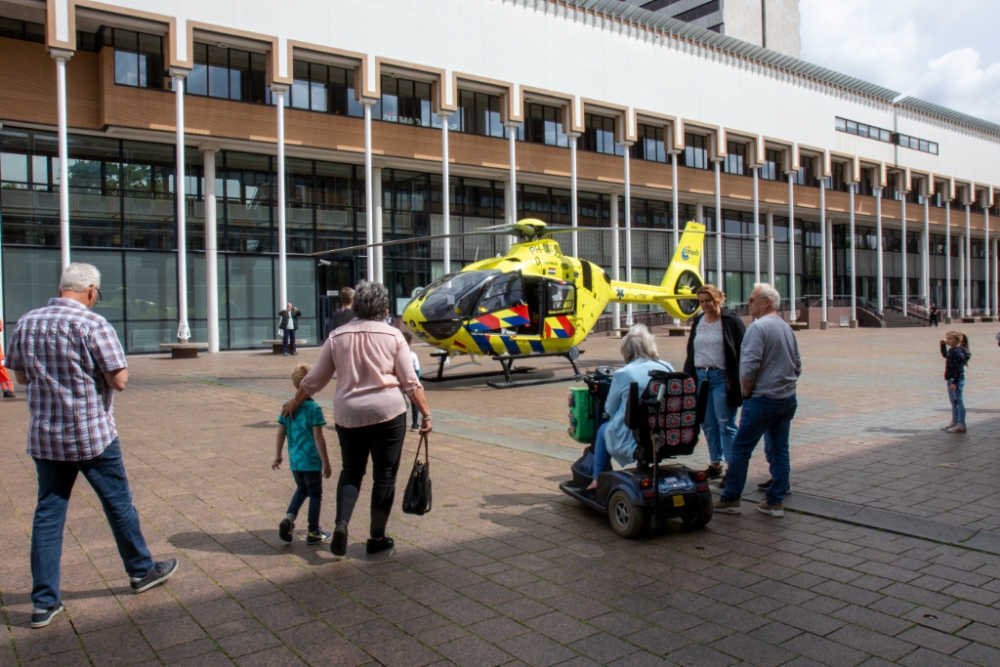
<point x="770" y="357"/>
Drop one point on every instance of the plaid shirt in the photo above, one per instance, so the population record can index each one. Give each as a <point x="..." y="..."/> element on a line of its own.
<point x="63" y="349"/>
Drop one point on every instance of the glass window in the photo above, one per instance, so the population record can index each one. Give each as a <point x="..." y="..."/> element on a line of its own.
<point x="649" y="144"/>
<point x="501" y="293"/>
<point x="543" y="125"/>
<point x="138" y="58"/>
<point x="736" y="159"/>
<point x="696" y="151"/>
<point x="561" y="297"/>
<point x="599" y="135"/>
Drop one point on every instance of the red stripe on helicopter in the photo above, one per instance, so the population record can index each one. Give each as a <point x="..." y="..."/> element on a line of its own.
<point x="566" y="325"/>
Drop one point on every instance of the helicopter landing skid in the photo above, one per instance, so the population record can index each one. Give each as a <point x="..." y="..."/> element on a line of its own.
<point x="506" y="361"/>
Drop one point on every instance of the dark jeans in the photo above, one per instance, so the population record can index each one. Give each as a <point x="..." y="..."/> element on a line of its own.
<point x="310" y="485"/>
<point x="384" y="443"/>
<point x="771" y="418"/>
<point x="288" y="341"/>
<point x="106" y="475"/>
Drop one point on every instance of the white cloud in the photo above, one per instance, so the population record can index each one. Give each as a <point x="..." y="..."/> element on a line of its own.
<point x="911" y="46"/>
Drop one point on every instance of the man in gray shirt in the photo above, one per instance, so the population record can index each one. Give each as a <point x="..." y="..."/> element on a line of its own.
<point x="769" y="370"/>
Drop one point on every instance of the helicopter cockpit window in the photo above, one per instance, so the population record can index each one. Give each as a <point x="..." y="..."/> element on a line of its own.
<point x="562" y="298"/>
<point x="503" y="292"/>
<point x="454" y="295"/>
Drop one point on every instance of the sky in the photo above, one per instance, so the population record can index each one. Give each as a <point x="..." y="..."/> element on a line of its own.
<point x="943" y="51"/>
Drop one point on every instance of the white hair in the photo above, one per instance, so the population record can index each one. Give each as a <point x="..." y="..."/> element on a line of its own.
<point x="767" y="291"/>
<point x="79" y="278"/>
<point x="638" y="342"/>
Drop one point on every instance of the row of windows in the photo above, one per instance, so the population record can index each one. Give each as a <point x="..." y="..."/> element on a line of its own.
<point x="907" y="141"/>
<point x="29" y="31"/>
<point x="699" y="11"/>
<point x="879" y="134"/>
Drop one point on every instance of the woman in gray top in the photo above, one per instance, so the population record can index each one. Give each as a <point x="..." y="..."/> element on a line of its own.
<point x="713" y="356"/>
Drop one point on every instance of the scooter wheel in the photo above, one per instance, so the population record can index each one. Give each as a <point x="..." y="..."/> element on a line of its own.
<point x="627" y="520"/>
<point x="701" y="519"/>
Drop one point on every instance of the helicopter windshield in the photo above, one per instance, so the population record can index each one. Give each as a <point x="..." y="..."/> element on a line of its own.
<point x="454" y="295"/>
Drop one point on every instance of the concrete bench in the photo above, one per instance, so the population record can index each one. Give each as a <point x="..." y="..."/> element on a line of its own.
<point x="798" y="326"/>
<point x="276" y="346"/>
<point x="969" y="320"/>
<point x="987" y="318"/>
<point x="183" y="350"/>
<point x="678" y="331"/>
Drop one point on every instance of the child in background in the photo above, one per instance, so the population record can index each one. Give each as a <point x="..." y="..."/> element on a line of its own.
<point x="307" y="459"/>
<point x="955" y="349"/>
<point x="416" y="368"/>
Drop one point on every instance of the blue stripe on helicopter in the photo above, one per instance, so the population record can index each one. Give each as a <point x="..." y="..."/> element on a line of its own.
<point x="510" y="344"/>
<point x="516" y="321"/>
<point x="536" y="346"/>
<point x="484" y="343"/>
<point x="560" y="333"/>
<point x="478" y="327"/>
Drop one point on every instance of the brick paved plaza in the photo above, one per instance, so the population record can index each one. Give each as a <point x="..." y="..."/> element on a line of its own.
<point x="890" y="557"/>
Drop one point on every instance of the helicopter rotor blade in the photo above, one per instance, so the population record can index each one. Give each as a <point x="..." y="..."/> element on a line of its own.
<point x="496" y="230"/>
<point x="655" y="230"/>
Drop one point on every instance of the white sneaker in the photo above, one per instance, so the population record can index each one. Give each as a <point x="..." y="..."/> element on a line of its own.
<point x="774" y="510"/>
<point x="949" y="426"/>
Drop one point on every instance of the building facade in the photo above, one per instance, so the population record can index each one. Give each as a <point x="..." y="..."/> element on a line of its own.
<point x="207" y="154"/>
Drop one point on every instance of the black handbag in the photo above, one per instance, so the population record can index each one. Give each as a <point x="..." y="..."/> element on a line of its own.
<point x="417" y="497"/>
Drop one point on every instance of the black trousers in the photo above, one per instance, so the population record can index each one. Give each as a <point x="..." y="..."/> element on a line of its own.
<point x="384" y="444"/>
<point x="288" y="340"/>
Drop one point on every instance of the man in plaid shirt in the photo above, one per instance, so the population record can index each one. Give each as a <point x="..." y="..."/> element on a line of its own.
<point x="72" y="363"/>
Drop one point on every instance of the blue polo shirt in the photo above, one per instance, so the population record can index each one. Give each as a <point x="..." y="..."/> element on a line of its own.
<point x="302" y="453"/>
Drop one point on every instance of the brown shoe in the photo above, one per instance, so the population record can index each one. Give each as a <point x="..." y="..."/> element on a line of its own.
<point x="774" y="510"/>
<point x="727" y="506"/>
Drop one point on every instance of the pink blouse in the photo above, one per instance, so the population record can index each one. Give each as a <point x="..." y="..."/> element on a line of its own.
<point x="372" y="362"/>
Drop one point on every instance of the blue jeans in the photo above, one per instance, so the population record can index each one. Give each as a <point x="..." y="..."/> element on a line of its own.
<point x="106" y="475"/>
<point x="309" y="485"/>
<point x="720" y="419"/>
<point x="957" y="401"/>
<point x="288" y="341"/>
<point x="602" y="458"/>
<point x="768" y="417"/>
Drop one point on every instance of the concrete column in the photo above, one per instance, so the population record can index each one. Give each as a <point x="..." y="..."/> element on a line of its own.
<point x="211" y="252"/>
<point x="574" y="204"/>
<point x="756" y="224"/>
<point x="369" y="207"/>
<point x="720" y="276"/>
<point x="880" y="253"/>
<point x="377" y="225"/>
<point x="905" y="275"/>
<point x="947" y="261"/>
<point x="676" y="203"/>
<point x="963" y="295"/>
<point x="823" y="324"/>
<point x="512" y="160"/>
<point x="988" y="311"/>
<point x="628" y="228"/>
<point x="967" y="268"/>
<point x="831" y="259"/>
<point x="927" y="252"/>
<point x="183" y="331"/>
<point x="616" y="308"/>
<point x="699" y="214"/>
<point x="996" y="274"/>
<point x="62" y="56"/>
<point x="279" y="90"/>
<point x="853" y="269"/>
<point x="791" y="248"/>
<point x="446" y="195"/>
<point x="769" y="232"/>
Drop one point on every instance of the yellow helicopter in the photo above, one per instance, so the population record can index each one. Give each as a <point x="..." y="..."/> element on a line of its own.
<point x="535" y="301"/>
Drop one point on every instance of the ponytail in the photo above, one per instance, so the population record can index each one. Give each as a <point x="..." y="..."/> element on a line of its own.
<point x="965" y="344"/>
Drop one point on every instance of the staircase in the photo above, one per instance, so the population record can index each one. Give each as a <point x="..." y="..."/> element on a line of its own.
<point x="894" y="320"/>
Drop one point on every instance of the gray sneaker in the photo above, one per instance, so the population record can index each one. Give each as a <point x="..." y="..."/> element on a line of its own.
<point x="158" y="575"/>
<point x="727" y="506"/>
<point x="774" y="510"/>
<point x="41" y="617"/>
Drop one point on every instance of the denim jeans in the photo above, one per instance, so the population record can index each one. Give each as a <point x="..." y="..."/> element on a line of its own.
<point x="288" y="341"/>
<point x="106" y="475"/>
<point x="602" y="458"/>
<point x="309" y="485"/>
<point x="720" y="419"/>
<point x="956" y="396"/>
<point x="762" y="416"/>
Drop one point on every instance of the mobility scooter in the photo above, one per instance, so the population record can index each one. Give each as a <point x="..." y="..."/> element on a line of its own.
<point x="666" y="422"/>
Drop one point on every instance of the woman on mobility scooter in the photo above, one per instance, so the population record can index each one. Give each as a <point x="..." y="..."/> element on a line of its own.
<point x="614" y="439"/>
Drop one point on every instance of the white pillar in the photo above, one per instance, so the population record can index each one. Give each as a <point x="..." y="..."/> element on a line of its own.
<point x="62" y="57"/>
<point x="616" y="308"/>
<point x="854" y="255"/>
<point x="947" y="260"/>
<point x="211" y="253"/>
<point x="574" y="205"/>
<point x="986" y="257"/>
<point x="369" y="207"/>
<point x="446" y="187"/>
<point x="279" y="90"/>
<point x="879" y="255"/>
<point x="967" y="268"/>
<point x="791" y="247"/>
<point x="769" y="232"/>
<point x="183" y="331"/>
<point x="962" y="294"/>
<point x="905" y="276"/>
<point x="676" y="203"/>
<point x="720" y="276"/>
<point x="512" y="160"/>
<point x="822" y="255"/>
<point x="927" y="251"/>
<point x="628" y="229"/>
<point x="699" y="215"/>
<point x="996" y="274"/>
<point x="377" y="224"/>
<point x="756" y="225"/>
<point x="831" y="260"/>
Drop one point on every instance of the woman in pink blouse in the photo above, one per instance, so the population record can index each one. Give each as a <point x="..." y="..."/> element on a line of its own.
<point x="372" y="362"/>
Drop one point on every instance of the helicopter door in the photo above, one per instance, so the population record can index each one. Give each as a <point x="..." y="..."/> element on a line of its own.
<point x="560" y="307"/>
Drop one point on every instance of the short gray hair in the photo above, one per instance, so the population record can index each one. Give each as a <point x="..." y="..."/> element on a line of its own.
<point x="79" y="278"/>
<point x="638" y="342"/>
<point x="769" y="292"/>
<point x="371" y="300"/>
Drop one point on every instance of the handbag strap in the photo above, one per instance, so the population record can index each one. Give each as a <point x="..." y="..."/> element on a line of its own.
<point x="427" y="455"/>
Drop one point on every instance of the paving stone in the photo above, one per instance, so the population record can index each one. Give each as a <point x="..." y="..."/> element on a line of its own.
<point x="536" y="650"/>
<point x="753" y="651"/>
<point x="871" y="642"/>
<point x="473" y="652"/>
<point x="560" y="627"/>
<point x="824" y="651"/>
<point x="933" y="640"/>
<point x="603" y="648"/>
<point x="937" y="620"/>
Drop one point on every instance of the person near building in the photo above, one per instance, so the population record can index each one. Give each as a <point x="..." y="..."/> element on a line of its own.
<point x="770" y="366"/>
<point x="713" y="356"/>
<point x="71" y="362"/>
<point x="345" y="313"/>
<point x="415" y="361"/>
<point x="288" y="323"/>
<point x="5" y="382"/>
<point x="372" y="362"/>
<point x="955" y="350"/>
<point x="933" y="315"/>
